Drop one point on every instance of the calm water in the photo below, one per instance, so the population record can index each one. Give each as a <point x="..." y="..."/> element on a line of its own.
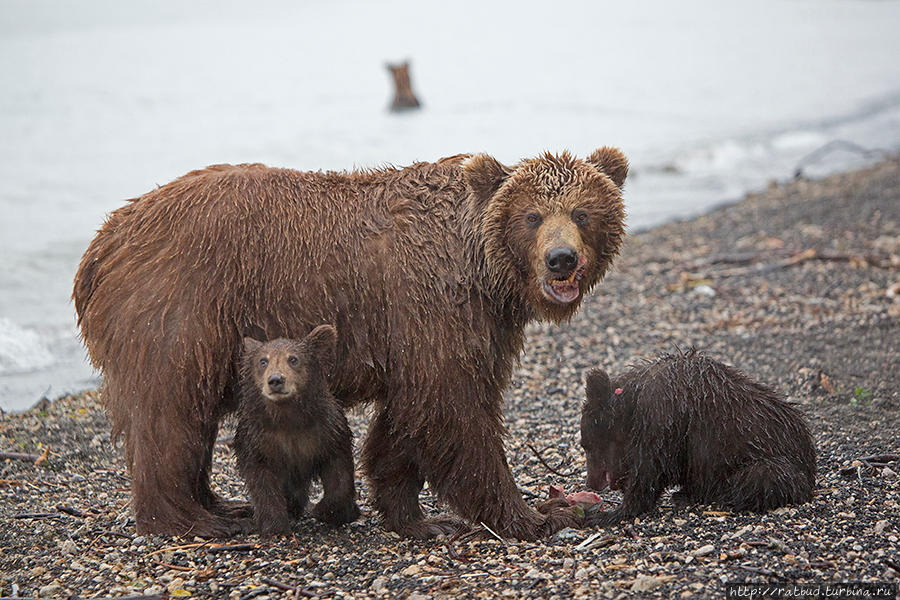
<point x="102" y="100"/>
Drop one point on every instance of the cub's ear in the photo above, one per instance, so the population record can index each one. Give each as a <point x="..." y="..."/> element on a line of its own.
<point x="251" y="344"/>
<point x="484" y="175"/>
<point x="611" y="162"/>
<point x="321" y="343"/>
<point x="597" y="386"/>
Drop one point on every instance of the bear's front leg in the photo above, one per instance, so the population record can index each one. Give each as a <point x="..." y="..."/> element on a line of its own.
<point x="338" y="503"/>
<point x="639" y="496"/>
<point x="267" y="494"/>
<point x="457" y="445"/>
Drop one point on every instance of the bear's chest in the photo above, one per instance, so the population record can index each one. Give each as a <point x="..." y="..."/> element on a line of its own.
<point x="293" y="448"/>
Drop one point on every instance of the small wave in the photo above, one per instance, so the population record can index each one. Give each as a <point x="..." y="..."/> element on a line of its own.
<point x="21" y="350"/>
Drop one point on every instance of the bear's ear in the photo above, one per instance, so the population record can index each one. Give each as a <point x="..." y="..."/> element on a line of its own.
<point x="611" y="162"/>
<point x="484" y="175"/>
<point x="597" y="386"/>
<point x="321" y="342"/>
<point x="250" y="344"/>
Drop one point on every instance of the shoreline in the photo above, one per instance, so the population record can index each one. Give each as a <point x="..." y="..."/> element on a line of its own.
<point x="798" y="285"/>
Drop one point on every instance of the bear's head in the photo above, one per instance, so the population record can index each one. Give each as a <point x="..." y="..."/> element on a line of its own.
<point x="606" y="420"/>
<point x="551" y="225"/>
<point x="289" y="372"/>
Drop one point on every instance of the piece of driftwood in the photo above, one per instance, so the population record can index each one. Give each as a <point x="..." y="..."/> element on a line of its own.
<point x="284" y="587"/>
<point x="547" y="466"/>
<point x="783" y="261"/>
<point x="19" y="456"/>
<point x="830" y="147"/>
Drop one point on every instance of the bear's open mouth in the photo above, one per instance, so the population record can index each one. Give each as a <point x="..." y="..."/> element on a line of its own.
<point x="566" y="290"/>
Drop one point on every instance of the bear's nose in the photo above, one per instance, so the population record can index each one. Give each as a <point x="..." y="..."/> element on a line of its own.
<point x="276" y="382"/>
<point x="561" y="260"/>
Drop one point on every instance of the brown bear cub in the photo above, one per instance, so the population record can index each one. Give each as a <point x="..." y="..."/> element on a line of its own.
<point x="291" y="430"/>
<point x="685" y="419"/>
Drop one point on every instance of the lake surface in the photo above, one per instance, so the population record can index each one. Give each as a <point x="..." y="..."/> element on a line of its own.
<point x="100" y="101"/>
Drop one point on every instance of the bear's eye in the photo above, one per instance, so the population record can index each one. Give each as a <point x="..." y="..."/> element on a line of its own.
<point x="292" y="360"/>
<point x="263" y="362"/>
<point x="580" y="216"/>
<point x="533" y="219"/>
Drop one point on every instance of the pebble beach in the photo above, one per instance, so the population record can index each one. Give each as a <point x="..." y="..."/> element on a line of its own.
<point x="797" y="285"/>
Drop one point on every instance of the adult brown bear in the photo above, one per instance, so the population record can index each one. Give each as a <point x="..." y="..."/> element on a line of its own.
<point x="429" y="274"/>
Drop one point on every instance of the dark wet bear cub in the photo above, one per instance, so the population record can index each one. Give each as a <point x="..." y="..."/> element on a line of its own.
<point x="291" y="430"/>
<point x="685" y="419"/>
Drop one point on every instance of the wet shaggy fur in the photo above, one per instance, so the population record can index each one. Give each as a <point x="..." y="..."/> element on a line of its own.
<point x="429" y="274"/>
<point x="688" y="420"/>
<point x="291" y="430"/>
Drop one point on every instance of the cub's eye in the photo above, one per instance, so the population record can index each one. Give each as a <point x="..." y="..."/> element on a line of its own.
<point x="292" y="360"/>
<point x="533" y="218"/>
<point x="263" y="362"/>
<point x="580" y="216"/>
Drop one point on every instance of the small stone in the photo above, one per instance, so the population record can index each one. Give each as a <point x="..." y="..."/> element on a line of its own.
<point x="139" y="541"/>
<point x="411" y="570"/>
<point x="379" y="584"/>
<point x="704" y="290"/>
<point x="582" y="573"/>
<point x="644" y="583"/>
<point x="50" y="590"/>
<point x="568" y="563"/>
<point x="38" y="571"/>
<point x="704" y="550"/>
<point x="566" y="534"/>
<point x="175" y="584"/>
<point x="880" y="526"/>
<point x="69" y="547"/>
<point x="888" y="473"/>
<point x="416" y="596"/>
<point x="154" y="590"/>
<point x="535" y="574"/>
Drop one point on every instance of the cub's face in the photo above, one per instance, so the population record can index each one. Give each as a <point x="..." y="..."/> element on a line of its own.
<point x="552" y="225"/>
<point x="603" y="435"/>
<point x="284" y="369"/>
<point x="279" y="369"/>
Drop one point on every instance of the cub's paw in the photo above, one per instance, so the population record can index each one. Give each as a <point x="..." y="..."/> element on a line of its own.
<point x="334" y="513"/>
<point x="274" y="526"/>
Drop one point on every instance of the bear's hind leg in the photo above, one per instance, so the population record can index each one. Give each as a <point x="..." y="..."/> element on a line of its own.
<point x="227" y="509"/>
<point x="765" y="485"/>
<point x="169" y="475"/>
<point x="338" y="503"/>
